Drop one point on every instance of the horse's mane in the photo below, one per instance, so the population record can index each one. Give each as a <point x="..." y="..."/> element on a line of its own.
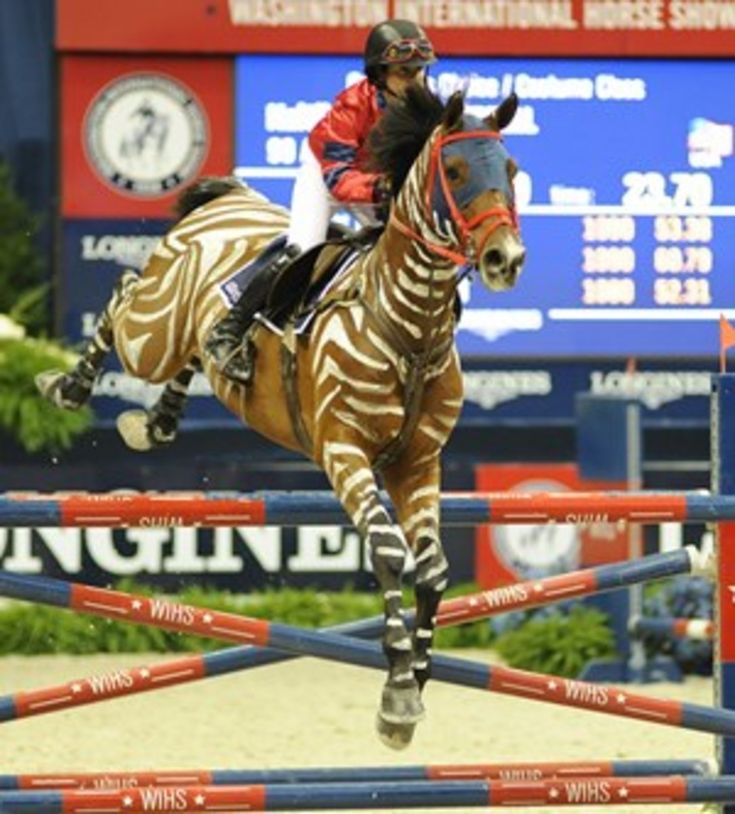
<point x="397" y="139"/>
<point x="202" y="191"/>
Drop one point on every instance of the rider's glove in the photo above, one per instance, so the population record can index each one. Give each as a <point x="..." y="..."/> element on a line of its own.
<point x="382" y="197"/>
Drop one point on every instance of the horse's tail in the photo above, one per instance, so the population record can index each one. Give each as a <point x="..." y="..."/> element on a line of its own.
<point x="202" y="191"/>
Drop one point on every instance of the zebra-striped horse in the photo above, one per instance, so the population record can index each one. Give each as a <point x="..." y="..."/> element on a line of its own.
<point x="376" y="383"/>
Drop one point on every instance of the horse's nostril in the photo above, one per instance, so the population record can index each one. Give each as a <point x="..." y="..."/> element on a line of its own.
<point x="493" y="259"/>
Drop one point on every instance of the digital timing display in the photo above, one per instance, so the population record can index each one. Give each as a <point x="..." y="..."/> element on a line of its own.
<point x="626" y="193"/>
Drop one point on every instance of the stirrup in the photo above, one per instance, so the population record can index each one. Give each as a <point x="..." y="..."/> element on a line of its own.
<point x="238" y="365"/>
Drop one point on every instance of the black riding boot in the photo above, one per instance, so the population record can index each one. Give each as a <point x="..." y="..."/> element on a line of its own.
<point x="226" y="344"/>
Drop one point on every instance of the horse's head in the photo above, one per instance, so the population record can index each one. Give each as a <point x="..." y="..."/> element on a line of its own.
<point x="469" y="189"/>
<point x="453" y="181"/>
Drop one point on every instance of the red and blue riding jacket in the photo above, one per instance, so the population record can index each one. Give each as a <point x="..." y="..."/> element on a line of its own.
<point x="339" y="142"/>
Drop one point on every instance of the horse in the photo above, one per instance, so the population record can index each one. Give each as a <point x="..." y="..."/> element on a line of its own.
<point x="373" y="388"/>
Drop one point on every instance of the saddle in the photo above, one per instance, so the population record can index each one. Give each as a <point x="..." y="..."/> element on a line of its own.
<point x="298" y="284"/>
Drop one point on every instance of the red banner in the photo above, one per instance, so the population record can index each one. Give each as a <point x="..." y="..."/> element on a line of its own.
<point x="726" y="583"/>
<point x="135" y="130"/>
<point x="508" y="554"/>
<point x="571" y="28"/>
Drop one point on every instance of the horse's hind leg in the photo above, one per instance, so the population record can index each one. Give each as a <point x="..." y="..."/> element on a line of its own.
<point x="72" y="390"/>
<point x="353" y="481"/>
<point x="143" y="430"/>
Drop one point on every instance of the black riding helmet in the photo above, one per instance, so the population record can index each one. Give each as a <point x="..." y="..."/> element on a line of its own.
<point x="396" y="42"/>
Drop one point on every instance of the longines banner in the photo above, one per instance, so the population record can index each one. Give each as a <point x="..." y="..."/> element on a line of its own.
<point x="481" y="27"/>
<point x="95" y="251"/>
<point x="235" y="559"/>
<point x="228" y="558"/>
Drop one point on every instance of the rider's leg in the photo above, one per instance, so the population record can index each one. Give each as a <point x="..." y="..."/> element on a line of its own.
<point x="225" y="343"/>
<point x="311" y="204"/>
<point x="311" y="209"/>
<point x="72" y="390"/>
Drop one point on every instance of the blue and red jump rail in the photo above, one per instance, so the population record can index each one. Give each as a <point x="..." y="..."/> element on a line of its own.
<point x="218" y="509"/>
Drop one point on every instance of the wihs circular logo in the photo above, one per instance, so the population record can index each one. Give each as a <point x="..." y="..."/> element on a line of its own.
<point x="146" y="134"/>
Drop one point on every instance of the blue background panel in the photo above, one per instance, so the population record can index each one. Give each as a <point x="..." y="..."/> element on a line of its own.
<point x="595" y="139"/>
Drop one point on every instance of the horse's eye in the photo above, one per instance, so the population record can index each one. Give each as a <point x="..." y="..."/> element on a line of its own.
<point x="453" y="173"/>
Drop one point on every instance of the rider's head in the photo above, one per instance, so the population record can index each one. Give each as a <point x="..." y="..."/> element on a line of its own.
<point x="397" y="53"/>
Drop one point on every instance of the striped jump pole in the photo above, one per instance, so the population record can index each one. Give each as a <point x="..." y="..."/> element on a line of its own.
<point x="399" y="795"/>
<point x="187" y="619"/>
<point x="357" y="774"/>
<point x="519" y="596"/>
<point x="213" y="509"/>
<point x="698" y="629"/>
<point x="336" y="647"/>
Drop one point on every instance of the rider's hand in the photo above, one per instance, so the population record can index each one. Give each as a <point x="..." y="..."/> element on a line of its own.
<point x="382" y="197"/>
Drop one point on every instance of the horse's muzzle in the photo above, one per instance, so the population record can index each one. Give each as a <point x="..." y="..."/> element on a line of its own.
<point x="500" y="266"/>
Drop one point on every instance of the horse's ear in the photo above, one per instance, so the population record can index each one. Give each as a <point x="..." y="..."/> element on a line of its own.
<point x="452" y="118"/>
<point x="503" y="114"/>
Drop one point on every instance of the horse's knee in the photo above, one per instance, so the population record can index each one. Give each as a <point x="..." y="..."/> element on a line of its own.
<point x="388" y="553"/>
<point x="432" y="568"/>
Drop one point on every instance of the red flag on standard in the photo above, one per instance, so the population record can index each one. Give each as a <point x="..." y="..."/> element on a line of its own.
<point x="727" y="340"/>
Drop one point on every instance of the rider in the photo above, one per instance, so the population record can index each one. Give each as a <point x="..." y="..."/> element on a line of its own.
<point x="334" y="172"/>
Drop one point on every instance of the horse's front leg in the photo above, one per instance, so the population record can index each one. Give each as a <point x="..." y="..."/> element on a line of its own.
<point x="414" y="487"/>
<point x="353" y="480"/>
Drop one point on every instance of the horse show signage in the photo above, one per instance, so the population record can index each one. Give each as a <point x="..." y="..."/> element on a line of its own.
<point x="146" y="134"/>
<point x="135" y="130"/>
<point x="479" y="27"/>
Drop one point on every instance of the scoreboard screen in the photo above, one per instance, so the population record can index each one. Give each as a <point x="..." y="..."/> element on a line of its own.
<point x="626" y="193"/>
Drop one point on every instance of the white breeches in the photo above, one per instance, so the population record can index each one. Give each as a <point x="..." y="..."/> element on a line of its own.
<point x="312" y="206"/>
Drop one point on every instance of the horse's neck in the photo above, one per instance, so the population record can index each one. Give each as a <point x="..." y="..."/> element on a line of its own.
<point x="411" y="286"/>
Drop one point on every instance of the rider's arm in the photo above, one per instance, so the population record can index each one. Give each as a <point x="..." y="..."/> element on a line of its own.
<point x="336" y="141"/>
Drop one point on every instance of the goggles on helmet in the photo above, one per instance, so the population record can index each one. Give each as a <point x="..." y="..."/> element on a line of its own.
<point x="401" y="51"/>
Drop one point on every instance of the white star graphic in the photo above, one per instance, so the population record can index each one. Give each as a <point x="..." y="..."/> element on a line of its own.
<point x="472" y="602"/>
<point x="552" y="685"/>
<point x="200" y="800"/>
<point x="145" y="672"/>
<point x="538" y="587"/>
<point x="621" y="698"/>
<point x="137" y="604"/>
<point x="76" y="688"/>
<point x="127" y="801"/>
<point x="731" y="588"/>
<point x="207" y="618"/>
<point x="623" y="792"/>
<point x="553" y="793"/>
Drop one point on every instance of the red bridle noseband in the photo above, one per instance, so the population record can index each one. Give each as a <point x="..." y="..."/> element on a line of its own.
<point x="502" y="215"/>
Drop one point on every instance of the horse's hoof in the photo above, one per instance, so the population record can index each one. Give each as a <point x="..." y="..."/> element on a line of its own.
<point x="133" y="427"/>
<point x="394" y="736"/>
<point x="142" y="433"/>
<point x="402" y="705"/>
<point x="61" y="389"/>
